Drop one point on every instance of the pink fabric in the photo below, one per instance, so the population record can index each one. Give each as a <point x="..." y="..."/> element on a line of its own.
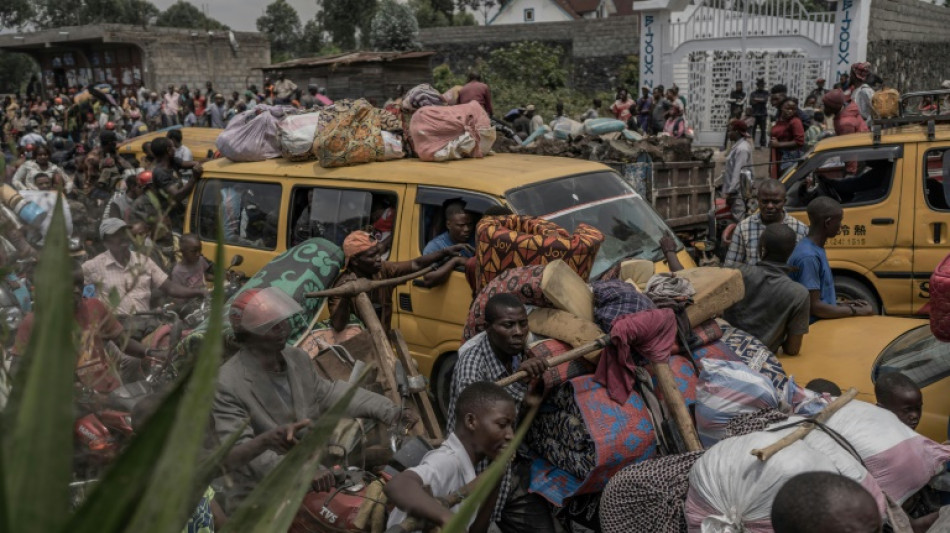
<point x="433" y="127"/>
<point x="651" y="333"/>
<point x="904" y="469"/>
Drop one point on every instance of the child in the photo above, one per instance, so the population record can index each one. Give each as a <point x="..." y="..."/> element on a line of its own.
<point x="193" y="270"/>
<point x="900" y="395"/>
<point x="816" y="130"/>
<point x="486" y="419"/>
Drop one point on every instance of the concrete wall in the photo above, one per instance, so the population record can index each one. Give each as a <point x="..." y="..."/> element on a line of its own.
<point x="597" y="48"/>
<point x="909" y="43"/>
<point x="180" y="58"/>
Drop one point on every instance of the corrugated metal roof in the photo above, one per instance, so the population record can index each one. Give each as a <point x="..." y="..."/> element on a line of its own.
<point x="347" y="58"/>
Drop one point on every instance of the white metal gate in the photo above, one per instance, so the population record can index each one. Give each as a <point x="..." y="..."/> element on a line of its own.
<point x="717" y="42"/>
<point x="711" y="76"/>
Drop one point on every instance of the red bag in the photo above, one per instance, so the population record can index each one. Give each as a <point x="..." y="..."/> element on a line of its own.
<point x="940" y="301"/>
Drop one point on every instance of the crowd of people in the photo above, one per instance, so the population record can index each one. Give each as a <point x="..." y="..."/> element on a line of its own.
<point x="123" y="214"/>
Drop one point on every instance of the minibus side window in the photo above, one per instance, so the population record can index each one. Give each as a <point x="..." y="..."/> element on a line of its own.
<point x="936" y="184"/>
<point x="250" y="212"/>
<point x="333" y="213"/>
<point x="852" y="177"/>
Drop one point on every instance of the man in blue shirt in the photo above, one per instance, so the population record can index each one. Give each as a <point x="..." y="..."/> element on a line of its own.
<point x="814" y="272"/>
<point x="459" y="230"/>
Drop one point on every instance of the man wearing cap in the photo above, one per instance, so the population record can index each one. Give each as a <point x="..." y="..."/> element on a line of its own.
<point x="740" y="155"/>
<point x="363" y="261"/>
<point x="861" y="92"/>
<point x="819" y="91"/>
<point x="216" y="112"/>
<point x="759" y="100"/>
<point x="126" y="279"/>
<point x="269" y="384"/>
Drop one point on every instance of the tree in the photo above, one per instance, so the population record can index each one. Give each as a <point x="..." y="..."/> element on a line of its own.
<point x="184" y="14"/>
<point x="426" y="14"/>
<point x="14" y="13"/>
<point x="281" y="24"/>
<point x="59" y="13"/>
<point x="485" y="8"/>
<point x="394" y="27"/>
<point x="343" y="19"/>
<point x="15" y="71"/>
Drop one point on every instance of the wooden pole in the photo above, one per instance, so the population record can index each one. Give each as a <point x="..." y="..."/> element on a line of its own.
<point x="674" y="400"/>
<point x="765" y="454"/>
<point x="387" y="359"/>
<point x="570" y="355"/>
<point x="362" y="285"/>
<point x="423" y="405"/>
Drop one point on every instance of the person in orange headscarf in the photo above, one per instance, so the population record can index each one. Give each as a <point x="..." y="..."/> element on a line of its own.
<point x="363" y="260"/>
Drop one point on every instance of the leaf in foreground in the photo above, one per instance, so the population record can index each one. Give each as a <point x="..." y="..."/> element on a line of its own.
<point x="274" y="502"/>
<point x="38" y="445"/>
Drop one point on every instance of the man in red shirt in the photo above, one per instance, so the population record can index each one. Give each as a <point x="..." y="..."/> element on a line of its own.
<point x="477" y="91"/>
<point x="106" y="358"/>
<point x="847" y="118"/>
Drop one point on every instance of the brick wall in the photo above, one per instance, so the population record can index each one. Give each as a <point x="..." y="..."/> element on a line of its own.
<point x="596" y="48"/>
<point x="908" y="43"/>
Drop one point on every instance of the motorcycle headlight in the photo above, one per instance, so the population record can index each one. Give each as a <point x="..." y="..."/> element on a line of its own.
<point x="10" y="317"/>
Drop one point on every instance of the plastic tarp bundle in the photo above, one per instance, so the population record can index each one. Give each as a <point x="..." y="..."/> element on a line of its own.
<point x="296" y="135"/>
<point x="731" y="490"/>
<point x="726" y="390"/>
<point x="601" y="126"/>
<point x="392" y="146"/>
<point x="440" y="133"/>
<point x="515" y="241"/>
<point x="252" y="135"/>
<point x="940" y="300"/>
<point x="352" y="137"/>
<point x="565" y="128"/>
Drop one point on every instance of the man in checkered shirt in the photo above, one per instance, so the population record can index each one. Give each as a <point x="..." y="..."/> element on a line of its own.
<point x="744" y="249"/>
<point x="491" y="355"/>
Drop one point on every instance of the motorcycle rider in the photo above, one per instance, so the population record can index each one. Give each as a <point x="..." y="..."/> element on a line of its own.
<point x="107" y="357"/>
<point x="269" y="384"/>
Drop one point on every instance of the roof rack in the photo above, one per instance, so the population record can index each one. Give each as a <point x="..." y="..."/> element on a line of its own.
<point x="881" y="124"/>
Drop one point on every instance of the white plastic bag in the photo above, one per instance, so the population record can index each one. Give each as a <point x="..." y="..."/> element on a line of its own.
<point x="392" y="145"/>
<point x="296" y="135"/>
<point x="252" y="135"/>
<point x="462" y="146"/>
<point x="486" y="139"/>
<point x="731" y="490"/>
<point x="726" y="390"/>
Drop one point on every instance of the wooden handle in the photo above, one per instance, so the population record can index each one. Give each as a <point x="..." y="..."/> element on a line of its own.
<point x="677" y="405"/>
<point x="764" y="454"/>
<point x="569" y="355"/>
<point x="384" y="350"/>
<point x="362" y="285"/>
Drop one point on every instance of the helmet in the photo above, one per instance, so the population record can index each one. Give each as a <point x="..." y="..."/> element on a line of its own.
<point x="135" y="115"/>
<point x="256" y="311"/>
<point x="58" y="101"/>
<point x="29" y="148"/>
<point x="145" y="178"/>
<point x="110" y="125"/>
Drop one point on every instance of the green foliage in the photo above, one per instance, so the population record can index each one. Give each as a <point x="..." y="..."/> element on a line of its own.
<point x="530" y="63"/>
<point x="394" y="27"/>
<point x="58" y="13"/>
<point x="37" y="423"/>
<point x="525" y="73"/>
<point x="486" y="9"/>
<point x="344" y="18"/>
<point x="443" y="78"/>
<point x="629" y="75"/>
<point x="15" y="71"/>
<point x="438" y="13"/>
<point x="183" y="14"/>
<point x="14" y="13"/>
<point x="281" y="24"/>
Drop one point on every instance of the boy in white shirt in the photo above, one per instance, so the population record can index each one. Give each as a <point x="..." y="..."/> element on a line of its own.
<point x="486" y="418"/>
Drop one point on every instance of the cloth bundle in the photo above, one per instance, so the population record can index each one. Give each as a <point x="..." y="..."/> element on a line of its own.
<point x="648" y="496"/>
<point x="649" y="335"/>
<point x="755" y="355"/>
<point x="421" y="96"/>
<point x="583" y="438"/>
<point x="352" y="136"/>
<point x="516" y="241"/>
<point x="441" y="133"/>
<point x="614" y="299"/>
<point x="557" y="375"/>
<point x="524" y="283"/>
<point x="252" y="135"/>
<point x="311" y="266"/>
<point x="296" y="135"/>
